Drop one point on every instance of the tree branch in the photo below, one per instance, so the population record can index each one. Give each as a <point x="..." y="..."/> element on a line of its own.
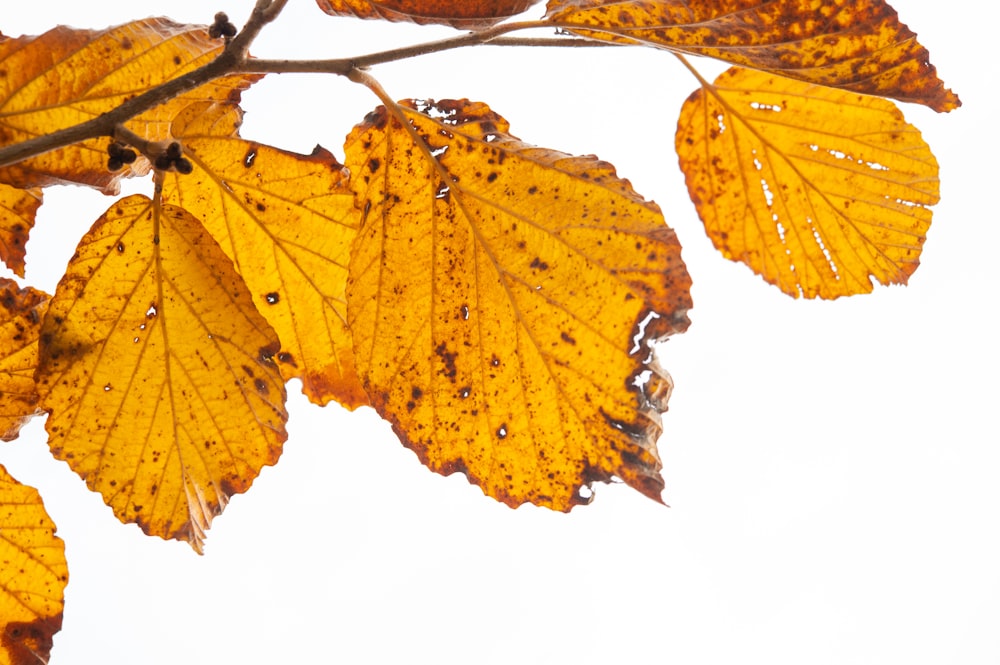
<point x="234" y="60"/>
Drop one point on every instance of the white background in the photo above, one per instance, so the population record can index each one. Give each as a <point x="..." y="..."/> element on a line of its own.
<point x="832" y="468"/>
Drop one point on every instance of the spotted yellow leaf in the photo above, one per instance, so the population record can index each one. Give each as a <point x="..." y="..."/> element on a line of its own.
<point x="464" y="14"/>
<point x="858" y="45"/>
<point x="17" y="216"/>
<point x="158" y="372"/>
<point x="500" y="299"/>
<point x="20" y="321"/>
<point x="66" y="76"/>
<point x="287" y="221"/>
<point x="33" y="575"/>
<point x="818" y="190"/>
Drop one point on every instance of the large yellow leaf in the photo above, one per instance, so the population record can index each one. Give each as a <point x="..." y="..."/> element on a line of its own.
<point x="33" y="575"/>
<point x="17" y="216"/>
<point x="465" y="14"/>
<point x="858" y="45"/>
<point x="20" y="320"/>
<point x="817" y="190"/>
<point x="157" y="371"/>
<point x="500" y="299"/>
<point x="287" y="221"/>
<point x="66" y="77"/>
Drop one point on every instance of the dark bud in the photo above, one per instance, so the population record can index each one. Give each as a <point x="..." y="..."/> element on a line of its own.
<point x="127" y="155"/>
<point x="115" y="149"/>
<point x="163" y="163"/>
<point x="115" y="164"/>
<point x="222" y="27"/>
<point x="174" y="150"/>
<point x="183" y="166"/>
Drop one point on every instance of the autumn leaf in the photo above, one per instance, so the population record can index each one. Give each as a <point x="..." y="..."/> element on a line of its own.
<point x="817" y="190"/>
<point x="33" y="575"/>
<point x="287" y="221"/>
<point x="501" y="297"/>
<point x="157" y="371"/>
<point x="20" y="320"/>
<point x="17" y="216"/>
<point x="66" y="77"/>
<point x="463" y="14"/>
<point x="857" y="45"/>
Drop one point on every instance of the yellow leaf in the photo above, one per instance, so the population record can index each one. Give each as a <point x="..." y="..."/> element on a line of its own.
<point x="33" y="575"/>
<point x="17" y="216"/>
<point x="816" y="189"/>
<point x="463" y="14"/>
<point x="20" y="321"/>
<point x="287" y="221"/>
<point x="858" y="45"/>
<point x="66" y="77"/>
<point x="500" y="298"/>
<point x="157" y="371"/>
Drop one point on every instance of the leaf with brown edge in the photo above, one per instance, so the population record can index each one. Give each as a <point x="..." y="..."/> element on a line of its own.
<point x="817" y="190"/>
<point x="18" y="208"/>
<point x="500" y="299"/>
<point x="857" y="45"/>
<point x="287" y="221"/>
<point x="33" y="575"/>
<point x="66" y="76"/>
<point x="157" y="371"/>
<point x="20" y="321"/>
<point x="462" y="14"/>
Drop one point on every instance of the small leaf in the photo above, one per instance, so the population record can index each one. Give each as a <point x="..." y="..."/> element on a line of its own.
<point x="462" y="14"/>
<point x="66" y="77"/>
<point x="815" y="189"/>
<point x="500" y="299"/>
<point x="857" y="45"/>
<point x="157" y="371"/>
<point x="17" y="217"/>
<point x="20" y="321"/>
<point x="287" y="221"/>
<point x="33" y="575"/>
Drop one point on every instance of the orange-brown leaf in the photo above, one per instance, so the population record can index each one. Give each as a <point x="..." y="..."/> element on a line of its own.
<point x="20" y="320"/>
<point x="17" y="216"/>
<point x="500" y="299"/>
<point x="287" y="221"/>
<point x="818" y="190"/>
<point x="463" y="14"/>
<point x="857" y="45"/>
<point x="157" y="371"/>
<point x="33" y="575"/>
<point x="66" y="76"/>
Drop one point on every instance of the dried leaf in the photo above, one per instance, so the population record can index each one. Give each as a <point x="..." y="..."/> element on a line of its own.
<point x="33" y="575"/>
<point x="66" y="77"/>
<point x="17" y="216"/>
<point x="251" y="197"/>
<point x="857" y="45"/>
<point x="462" y="14"/>
<point x="157" y="371"/>
<point x="815" y="189"/>
<point x="20" y="320"/>
<point x="500" y="299"/>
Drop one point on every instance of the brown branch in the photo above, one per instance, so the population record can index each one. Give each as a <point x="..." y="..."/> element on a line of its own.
<point x="234" y="60"/>
<point x="104" y="125"/>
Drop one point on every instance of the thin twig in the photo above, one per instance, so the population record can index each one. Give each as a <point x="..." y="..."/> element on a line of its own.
<point x="263" y="13"/>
